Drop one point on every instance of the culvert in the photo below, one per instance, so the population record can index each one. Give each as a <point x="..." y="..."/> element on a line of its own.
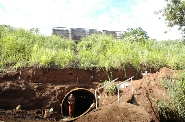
<point x="83" y="102"/>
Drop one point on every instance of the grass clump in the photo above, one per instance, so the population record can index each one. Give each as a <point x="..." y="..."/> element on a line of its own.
<point x="110" y="89"/>
<point x="175" y="86"/>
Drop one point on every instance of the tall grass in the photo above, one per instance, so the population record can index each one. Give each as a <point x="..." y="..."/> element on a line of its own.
<point x="22" y="48"/>
<point x="175" y="86"/>
<point x="105" y="51"/>
<point x="52" y="51"/>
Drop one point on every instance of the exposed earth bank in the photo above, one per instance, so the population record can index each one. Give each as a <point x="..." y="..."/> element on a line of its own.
<point x="41" y="88"/>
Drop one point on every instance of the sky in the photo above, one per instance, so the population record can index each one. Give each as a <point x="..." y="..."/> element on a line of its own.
<point x="115" y="15"/>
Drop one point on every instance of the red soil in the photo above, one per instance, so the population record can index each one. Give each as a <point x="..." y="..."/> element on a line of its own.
<point x="37" y="88"/>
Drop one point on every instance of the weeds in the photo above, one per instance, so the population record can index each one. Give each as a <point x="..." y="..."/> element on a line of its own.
<point x="110" y="89"/>
<point x="176" y="104"/>
<point x="22" y="48"/>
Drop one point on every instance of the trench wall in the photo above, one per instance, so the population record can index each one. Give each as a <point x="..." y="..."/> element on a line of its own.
<point x="36" y="88"/>
<point x="52" y="75"/>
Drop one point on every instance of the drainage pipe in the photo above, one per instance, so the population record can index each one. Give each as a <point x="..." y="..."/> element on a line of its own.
<point x="84" y="102"/>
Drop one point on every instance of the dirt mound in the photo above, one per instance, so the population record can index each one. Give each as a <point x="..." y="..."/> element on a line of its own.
<point x="117" y="113"/>
<point x="146" y="93"/>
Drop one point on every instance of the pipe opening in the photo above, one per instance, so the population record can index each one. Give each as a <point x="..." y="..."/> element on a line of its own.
<point x="83" y="100"/>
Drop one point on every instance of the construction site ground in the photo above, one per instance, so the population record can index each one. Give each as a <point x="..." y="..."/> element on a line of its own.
<point x="137" y="101"/>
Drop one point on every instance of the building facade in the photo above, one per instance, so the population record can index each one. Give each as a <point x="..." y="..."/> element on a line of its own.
<point x="77" y="34"/>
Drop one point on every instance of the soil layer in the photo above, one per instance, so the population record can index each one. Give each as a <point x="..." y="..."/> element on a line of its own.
<point x="38" y="88"/>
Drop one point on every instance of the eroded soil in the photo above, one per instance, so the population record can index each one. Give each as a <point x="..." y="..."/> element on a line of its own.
<point x="35" y="89"/>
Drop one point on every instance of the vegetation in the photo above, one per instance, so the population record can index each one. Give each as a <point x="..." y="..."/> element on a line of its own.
<point x="110" y="89"/>
<point x="138" y="33"/>
<point x="23" y="48"/>
<point x="103" y="51"/>
<point x="174" y="13"/>
<point x="27" y="48"/>
<point x="176" y="104"/>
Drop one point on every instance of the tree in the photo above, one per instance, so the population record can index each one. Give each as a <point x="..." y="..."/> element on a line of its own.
<point x="138" y="33"/>
<point x="174" y="13"/>
<point x="34" y="30"/>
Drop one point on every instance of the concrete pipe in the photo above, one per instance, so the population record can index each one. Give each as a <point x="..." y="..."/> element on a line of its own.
<point x="83" y="102"/>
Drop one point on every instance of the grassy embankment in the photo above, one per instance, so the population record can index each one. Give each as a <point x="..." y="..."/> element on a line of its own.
<point x="24" y="48"/>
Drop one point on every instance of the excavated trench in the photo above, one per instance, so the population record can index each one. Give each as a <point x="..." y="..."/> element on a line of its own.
<point x="83" y="100"/>
<point x="35" y="89"/>
<point x="46" y="88"/>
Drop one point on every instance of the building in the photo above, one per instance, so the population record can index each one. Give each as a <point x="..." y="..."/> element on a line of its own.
<point x="77" y="34"/>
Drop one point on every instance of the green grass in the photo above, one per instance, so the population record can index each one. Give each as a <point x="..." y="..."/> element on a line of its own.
<point x="24" y="48"/>
<point x="175" y="86"/>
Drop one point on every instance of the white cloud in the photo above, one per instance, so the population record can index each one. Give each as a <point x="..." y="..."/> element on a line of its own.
<point x="145" y="17"/>
<point x="96" y="14"/>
